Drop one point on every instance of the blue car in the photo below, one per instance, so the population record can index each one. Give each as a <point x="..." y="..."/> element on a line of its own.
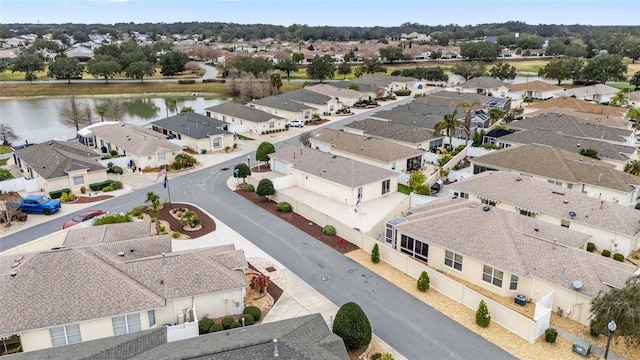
<point x="39" y="204"/>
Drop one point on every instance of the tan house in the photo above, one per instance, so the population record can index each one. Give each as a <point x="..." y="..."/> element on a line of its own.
<point x="345" y="97"/>
<point x="145" y="147"/>
<point x="373" y="151"/>
<point x="195" y="132"/>
<point x="379" y="85"/>
<point x="134" y="285"/>
<point x="484" y="85"/>
<point x="406" y="135"/>
<point x="601" y="114"/>
<point x="599" y="93"/>
<point x="613" y="227"/>
<point x="299" y="104"/>
<point x="239" y="118"/>
<point x="536" y="89"/>
<point x="508" y="254"/>
<point x="60" y="165"/>
<point x="347" y="181"/>
<point x="568" y="170"/>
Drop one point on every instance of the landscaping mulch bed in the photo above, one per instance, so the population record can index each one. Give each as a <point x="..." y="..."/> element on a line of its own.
<point x="272" y="289"/>
<point x="208" y="225"/>
<point x="299" y="222"/>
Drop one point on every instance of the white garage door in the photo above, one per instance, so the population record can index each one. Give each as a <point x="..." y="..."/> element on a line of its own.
<point x="280" y="166"/>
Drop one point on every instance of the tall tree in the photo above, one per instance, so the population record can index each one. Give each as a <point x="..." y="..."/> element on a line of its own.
<point x="103" y="66"/>
<point x="321" y="68"/>
<point x="503" y="71"/>
<point x="448" y="124"/>
<point x="469" y="70"/>
<point x="605" y="67"/>
<point x="139" y="69"/>
<point x="65" y="68"/>
<point x="634" y="115"/>
<point x="392" y="53"/>
<point x="29" y="63"/>
<point x="621" y="306"/>
<point x="468" y="107"/>
<point x="344" y="69"/>
<point x="619" y="99"/>
<point x="7" y="134"/>
<point x="255" y="66"/>
<point x="173" y="62"/>
<point x="297" y="57"/>
<point x="75" y="112"/>
<point x="288" y="66"/>
<point x="632" y="167"/>
<point x="374" y="66"/>
<point x="482" y="50"/>
<point x="635" y="80"/>
<point x="154" y="207"/>
<point x="562" y="68"/>
<point x="276" y="82"/>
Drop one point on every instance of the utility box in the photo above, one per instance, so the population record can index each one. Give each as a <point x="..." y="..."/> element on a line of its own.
<point x="581" y="347"/>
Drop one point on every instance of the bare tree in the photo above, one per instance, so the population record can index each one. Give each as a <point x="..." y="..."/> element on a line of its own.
<point x="232" y="84"/>
<point x="75" y="112"/>
<point x="7" y="134"/>
<point x="192" y="66"/>
<point x="9" y="209"/>
<point x="115" y="109"/>
<point x="304" y="138"/>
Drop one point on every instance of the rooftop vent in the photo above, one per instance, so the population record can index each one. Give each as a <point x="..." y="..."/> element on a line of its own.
<point x="121" y="253"/>
<point x="572" y="214"/>
<point x="576" y="284"/>
<point x="13" y="273"/>
<point x="486" y="208"/>
<point x="518" y="178"/>
<point x="565" y="201"/>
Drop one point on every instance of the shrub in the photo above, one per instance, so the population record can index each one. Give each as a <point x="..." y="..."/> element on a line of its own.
<point x="115" y="170"/>
<point x="352" y="325"/>
<point x="253" y="310"/>
<point x="386" y="356"/>
<point x="99" y="186"/>
<point x="115" y="185"/>
<point x="136" y="212"/>
<point x="591" y="247"/>
<point x="550" y="335"/>
<point x="403" y="92"/>
<point x="163" y="228"/>
<point x="376" y="356"/>
<point x="329" y="230"/>
<point x="83" y="190"/>
<point x="594" y="328"/>
<point x="234" y="325"/>
<point x="175" y="234"/>
<point x="423" y="282"/>
<point x="216" y="327"/>
<point x="283" y="207"/>
<point x="248" y="188"/>
<point x="114" y="218"/>
<point x="248" y="319"/>
<point x="113" y="153"/>
<point x="107" y="188"/>
<point x="375" y="254"/>
<point x="482" y="315"/>
<point x="203" y="151"/>
<point x="204" y="325"/>
<point x="227" y="149"/>
<point x="618" y="257"/>
<point x="177" y="165"/>
<point x="187" y="81"/>
<point x="606" y="253"/>
<point x="58" y="193"/>
<point x="226" y="322"/>
<point x="265" y="188"/>
<point x="259" y="283"/>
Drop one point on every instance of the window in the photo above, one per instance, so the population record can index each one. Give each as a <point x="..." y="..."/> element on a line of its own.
<point x="565" y="223"/>
<point x="78" y="180"/>
<point x="385" y="186"/>
<point x="126" y="324"/>
<point x="224" y="118"/>
<point x="215" y="143"/>
<point x="415" y="248"/>
<point x="489" y="202"/>
<point x="559" y="183"/>
<point x="162" y="157"/>
<point x="464" y="195"/>
<point x="435" y="144"/>
<point x="513" y="284"/>
<point x="272" y="125"/>
<point x="527" y="213"/>
<point x="152" y="317"/>
<point x="65" y="335"/>
<point x="453" y="260"/>
<point x="492" y="276"/>
<point x="569" y="186"/>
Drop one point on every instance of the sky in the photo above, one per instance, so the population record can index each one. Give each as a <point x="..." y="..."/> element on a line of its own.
<point x="323" y="12"/>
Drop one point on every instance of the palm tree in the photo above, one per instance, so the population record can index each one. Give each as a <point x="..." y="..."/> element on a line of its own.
<point x="449" y="124"/>
<point x="153" y="200"/>
<point x="495" y="114"/>
<point x="467" y="107"/>
<point x="633" y="167"/>
<point x="620" y="99"/>
<point x="276" y="82"/>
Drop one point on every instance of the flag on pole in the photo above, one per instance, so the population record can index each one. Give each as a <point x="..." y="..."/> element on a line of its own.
<point x="162" y="172"/>
<point x="359" y="200"/>
<point x="166" y="181"/>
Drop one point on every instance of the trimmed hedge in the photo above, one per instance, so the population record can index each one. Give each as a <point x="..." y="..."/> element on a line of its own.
<point x="215" y="328"/>
<point x="58" y="193"/>
<point x="234" y="325"/>
<point x="248" y="188"/>
<point x="187" y="81"/>
<point x="591" y="247"/>
<point x="329" y="230"/>
<point x="99" y="186"/>
<point x="253" y="310"/>
<point x="226" y="322"/>
<point x="618" y="257"/>
<point x="550" y="335"/>
<point x="606" y="253"/>
<point x="283" y="207"/>
<point x="204" y="325"/>
<point x="248" y="319"/>
<point x="352" y="325"/>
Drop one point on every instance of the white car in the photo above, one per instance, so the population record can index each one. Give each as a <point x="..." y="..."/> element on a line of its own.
<point x="296" y="123"/>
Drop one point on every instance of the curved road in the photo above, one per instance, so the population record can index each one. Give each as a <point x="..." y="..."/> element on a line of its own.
<point x="408" y="325"/>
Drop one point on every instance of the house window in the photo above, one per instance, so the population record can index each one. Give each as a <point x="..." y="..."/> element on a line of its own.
<point x="565" y="223"/>
<point x="464" y="195"/>
<point x="434" y="144"/>
<point x="330" y="108"/>
<point x="65" y="335"/>
<point x="272" y="124"/>
<point x="216" y="143"/>
<point x="415" y="248"/>
<point x="559" y="183"/>
<point x="453" y="260"/>
<point x="78" y="180"/>
<point x="224" y="118"/>
<point x="513" y="284"/>
<point x="126" y="324"/>
<point x="527" y="213"/>
<point x="162" y="157"/>
<point x="492" y="276"/>
<point x="569" y="186"/>
<point x="385" y="186"/>
<point x="152" y="317"/>
<point x="489" y="202"/>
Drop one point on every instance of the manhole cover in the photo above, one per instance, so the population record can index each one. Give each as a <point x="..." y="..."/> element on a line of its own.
<point x="350" y="271"/>
<point x="324" y="278"/>
<point x="270" y="269"/>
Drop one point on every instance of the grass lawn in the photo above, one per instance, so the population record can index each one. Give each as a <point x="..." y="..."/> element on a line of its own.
<point x="404" y="189"/>
<point x="4" y="149"/>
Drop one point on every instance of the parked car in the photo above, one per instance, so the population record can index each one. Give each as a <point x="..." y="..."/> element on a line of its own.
<point x="435" y="188"/>
<point x="82" y="217"/>
<point x="39" y="204"/>
<point x="296" y="123"/>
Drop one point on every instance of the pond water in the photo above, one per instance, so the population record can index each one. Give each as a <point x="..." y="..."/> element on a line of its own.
<point x="38" y="119"/>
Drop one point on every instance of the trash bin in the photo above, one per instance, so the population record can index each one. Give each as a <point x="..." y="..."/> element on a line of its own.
<point x="581" y="347"/>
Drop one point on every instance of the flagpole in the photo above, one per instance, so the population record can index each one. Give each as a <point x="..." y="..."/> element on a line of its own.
<point x="166" y="185"/>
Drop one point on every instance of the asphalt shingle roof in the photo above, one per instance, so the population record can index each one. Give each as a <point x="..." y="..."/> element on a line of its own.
<point x="390" y="130"/>
<point x="599" y="89"/>
<point x="91" y="235"/>
<point x="535" y="85"/>
<point x="243" y="112"/>
<point x="193" y="125"/>
<point x="134" y="139"/>
<point x="579" y="105"/>
<point x="293" y="101"/>
<point x="414" y="114"/>
<point x="332" y="91"/>
<point x="54" y="159"/>
<point x="373" y="148"/>
<point x="483" y="82"/>
<point x="572" y="126"/>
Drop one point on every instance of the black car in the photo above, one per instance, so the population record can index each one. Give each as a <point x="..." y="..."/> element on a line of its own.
<point x="435" y="188"/>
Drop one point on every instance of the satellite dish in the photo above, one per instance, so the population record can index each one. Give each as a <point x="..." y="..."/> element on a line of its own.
<point x="576" y="284"/>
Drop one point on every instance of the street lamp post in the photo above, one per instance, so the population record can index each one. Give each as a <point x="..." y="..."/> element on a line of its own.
<point x="249" y="161"/>
<point x="612" y="327"/>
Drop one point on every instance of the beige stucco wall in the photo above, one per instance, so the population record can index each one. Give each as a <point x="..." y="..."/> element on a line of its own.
<point x="289" y="115"/>
<point x="574" y="305"/>
<point x="153" y="161"/>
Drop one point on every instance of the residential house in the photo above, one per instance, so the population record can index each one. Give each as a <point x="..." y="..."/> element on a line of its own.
<point x="134" y="285"/>
<point x="81" y="53"/>
<point x="604" y="120"/>
<point x="296" y="339"/>
<point x="145" y="147"/>
<point x="602" y="114"/>
<point x="508" y="254"/>
<point x="374" y="151"/>
<point x="345" y="97"/>
<point x="60" y="165"/>
<point x="193" y="131"/>
<point x="569" y="170"/>
<point x="410" y="136"/>
<point x="379" y="85"/>
<point x="337" y="178"/>
<point x="539" y="90"/>
<point x="492" y="136"/>
<point x="633" y="98"/>
<point x="456" y="99"/>
<point x="484" y="85"/>
<point x="614" y="227"/>
<point x="599" y="93"/>
<point x="298" y="104"/>
<point x="239" y="118"/>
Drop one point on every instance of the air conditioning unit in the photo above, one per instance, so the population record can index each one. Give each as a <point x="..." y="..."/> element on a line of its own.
<point x="560" y="311"/>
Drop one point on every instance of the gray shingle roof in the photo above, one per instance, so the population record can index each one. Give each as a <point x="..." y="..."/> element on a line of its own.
<point x="134" y="139"/>
<point x="483" y="82"/>
<point x="243" y="112"/>
<point x="572" y="126"/>
<point x="510" y="242"/>
<point x="555" y="163"/>
<point x="390" y="130"/>
<point x="193" y="125"/>
<point x="333" y="91"/>
<point x="597" y="89"/>
<point x="81" y="236"/>
<point x="550" y="199"/>
<point x="55" y="159"/>
<point x="451" y="99"/>
<point x="415" y="114"/>
<point x="293" y="101"/>
<point x="347" y="172"/>
<point x="373" y="148"/>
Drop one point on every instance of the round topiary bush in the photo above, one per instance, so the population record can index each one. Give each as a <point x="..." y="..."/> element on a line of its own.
<point x="606" y="253"/>
<point x="283" y="207"/>
<point x="248" y="319"/>
<point x="591" y="247"/>
<point x="216" y="327"/>
<point x="248" y="188"/>
<point x="352" y="325"/>
<point x="550" y="335"/>
<point x="329" y="230"/>
<point x="235" y="324"/>
<point x="226" y="322"/>
<point x="253" y="310"/>
<point x="204" y="325"/>
<point x="175" y="234"/>
<point x="116" y="185"/>
<point x="618" y="257"/>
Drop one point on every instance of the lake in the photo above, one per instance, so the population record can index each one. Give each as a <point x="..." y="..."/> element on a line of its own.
<point x="37" y="120"/>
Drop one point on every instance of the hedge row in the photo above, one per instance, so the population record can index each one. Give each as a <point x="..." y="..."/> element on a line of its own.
<point x="100" y="185"/>
<point x="58" y="193"/>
